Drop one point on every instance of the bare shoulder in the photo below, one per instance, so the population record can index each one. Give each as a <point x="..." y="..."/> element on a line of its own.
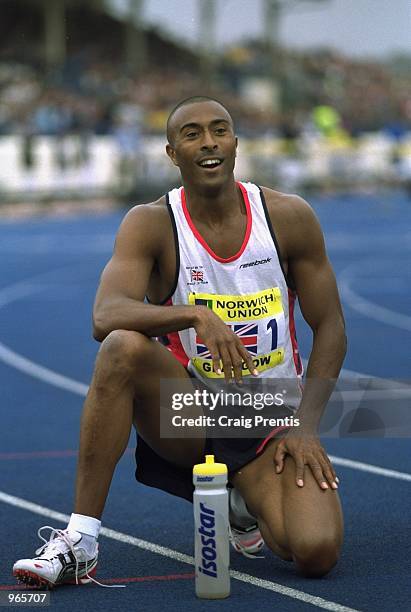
<point x="293" y="219"/>
<point x="145" y="226"/>
<point x="289" y="205"/>
<point x="147" y="216"/>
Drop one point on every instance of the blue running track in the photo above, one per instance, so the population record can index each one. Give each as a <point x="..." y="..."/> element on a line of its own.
<point x="50" y="269"/>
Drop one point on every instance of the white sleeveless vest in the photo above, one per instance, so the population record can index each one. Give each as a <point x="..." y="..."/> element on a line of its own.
<point x="248" y="291"/>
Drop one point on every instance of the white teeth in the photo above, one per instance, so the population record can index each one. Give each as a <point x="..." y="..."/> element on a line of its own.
<point x="210" y="162"/>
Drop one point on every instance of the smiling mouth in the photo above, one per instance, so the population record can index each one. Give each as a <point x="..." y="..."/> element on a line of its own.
<point x="210" y="163"/>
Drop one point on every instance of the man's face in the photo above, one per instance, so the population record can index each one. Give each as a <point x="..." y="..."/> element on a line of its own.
<point x="203" y="144"/>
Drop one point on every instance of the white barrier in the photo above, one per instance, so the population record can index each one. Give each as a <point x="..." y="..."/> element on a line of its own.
<point x="60" y="166"/>
<point x="54" y="168"/>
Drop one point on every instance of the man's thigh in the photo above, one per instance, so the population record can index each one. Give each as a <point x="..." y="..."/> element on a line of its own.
<point x="294" y="516"/>
<point x="161" y="369"/>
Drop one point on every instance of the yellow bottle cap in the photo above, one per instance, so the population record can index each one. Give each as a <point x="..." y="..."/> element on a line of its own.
<point x="209" y="468"/>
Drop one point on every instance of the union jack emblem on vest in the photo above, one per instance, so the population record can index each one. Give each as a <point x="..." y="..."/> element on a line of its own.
<point x="197" y="275"/>
<point x="247" y="333"/>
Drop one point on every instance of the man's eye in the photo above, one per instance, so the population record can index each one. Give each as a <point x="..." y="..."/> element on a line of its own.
<point x="191" y="134"/>
<point x="221" y="130"/>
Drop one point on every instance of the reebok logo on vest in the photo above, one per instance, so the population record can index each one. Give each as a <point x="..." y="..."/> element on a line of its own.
<point x="257" y="262"/>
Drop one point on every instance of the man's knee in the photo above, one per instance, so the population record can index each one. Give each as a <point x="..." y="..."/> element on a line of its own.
<point x="122" y="352"/>
<point x="316" y="557"/>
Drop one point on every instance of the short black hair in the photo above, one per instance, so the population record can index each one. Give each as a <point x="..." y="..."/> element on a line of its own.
<point x="186" y="102"/>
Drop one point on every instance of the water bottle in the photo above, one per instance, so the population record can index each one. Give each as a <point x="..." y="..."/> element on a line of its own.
<point x="211" y="529"/>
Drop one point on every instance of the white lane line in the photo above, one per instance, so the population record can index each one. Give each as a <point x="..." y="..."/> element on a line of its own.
<point x="368" y="308"/>
<point x="63" y="382"/>
<point x="377" y="395"/>
<point x="324" y="604"/>
<point x="60" y="381"/>
<point x="36" y="371"/>
<point x="381" y="383"/>
<point x="372" y="469"/>
<point x="319" y="602"/>
<point x="15" y="292"/>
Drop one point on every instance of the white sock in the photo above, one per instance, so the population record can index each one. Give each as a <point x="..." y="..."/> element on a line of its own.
<point x="85" y="524"/>
<point x="88" y="527"/>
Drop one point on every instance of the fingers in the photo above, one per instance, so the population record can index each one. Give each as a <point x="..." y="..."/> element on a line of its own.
<point x="248" y="360"/>
<point x="306" y="453"/>
<point x="323" y="471"/>
<point x="227" y="363"/>
<point x="317" y="470"/>
<point x="279" y="457"/>
<point x="329" y="471"/>
<point x="215" y="356"/>
<point x="232" y="356"/>
<point x="224" y="346"/>
<point x="299" y="470"/>
<point x="237" y="364"/>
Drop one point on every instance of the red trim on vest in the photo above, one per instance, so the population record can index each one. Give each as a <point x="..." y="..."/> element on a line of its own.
<point x="175" y="345"/>
<point x="293" y="335"/>
<point x="201" y="239"/>
<point x="270" y="436"/>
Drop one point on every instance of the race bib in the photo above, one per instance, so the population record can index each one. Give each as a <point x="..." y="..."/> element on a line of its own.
<point x="256" y="318"/>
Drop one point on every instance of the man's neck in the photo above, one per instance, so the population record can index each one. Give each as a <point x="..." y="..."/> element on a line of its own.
<point x="213" y="204"/>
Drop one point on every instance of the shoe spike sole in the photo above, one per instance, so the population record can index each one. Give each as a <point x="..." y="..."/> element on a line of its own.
<point x="34" y="580"/>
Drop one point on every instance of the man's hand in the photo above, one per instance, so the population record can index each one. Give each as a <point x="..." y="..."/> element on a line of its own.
<point x="224" y="345"/>
<point x="306" y="450"/>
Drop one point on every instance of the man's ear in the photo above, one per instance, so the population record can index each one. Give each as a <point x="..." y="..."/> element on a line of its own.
<point x="171" y="153"/>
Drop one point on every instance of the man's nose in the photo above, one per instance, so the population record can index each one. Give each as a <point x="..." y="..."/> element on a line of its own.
<point x="208" y="141"/>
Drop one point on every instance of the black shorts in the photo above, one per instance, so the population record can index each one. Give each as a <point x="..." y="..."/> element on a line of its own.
<point x="154" y="471"/>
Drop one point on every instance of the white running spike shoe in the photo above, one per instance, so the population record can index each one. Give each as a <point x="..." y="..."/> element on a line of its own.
<point x="61" y="560"/>
<point x="245" y="535"/>
<point x="248" y="541"/>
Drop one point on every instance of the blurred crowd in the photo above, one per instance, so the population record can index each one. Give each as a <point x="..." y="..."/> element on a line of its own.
<point x="308" y="118"/>
<point x="89" y="95"/>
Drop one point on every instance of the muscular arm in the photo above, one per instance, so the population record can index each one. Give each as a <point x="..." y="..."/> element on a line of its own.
<point x="119" y="302"/>
<point x="321" y="308"/>
<point x="302" y="246"/>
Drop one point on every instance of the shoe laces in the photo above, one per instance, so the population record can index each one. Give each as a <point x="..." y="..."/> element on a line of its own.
<point x="235" y="537"/>
<point x="59" y="542"/>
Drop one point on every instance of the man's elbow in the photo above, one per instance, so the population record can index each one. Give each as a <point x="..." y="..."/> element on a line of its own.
<point x="341" y="335"/>
<point x="344" y="344"/>
<point x="100" y="330"/>
<point x="98" y="335"/>
<point x="334" y="327"/>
